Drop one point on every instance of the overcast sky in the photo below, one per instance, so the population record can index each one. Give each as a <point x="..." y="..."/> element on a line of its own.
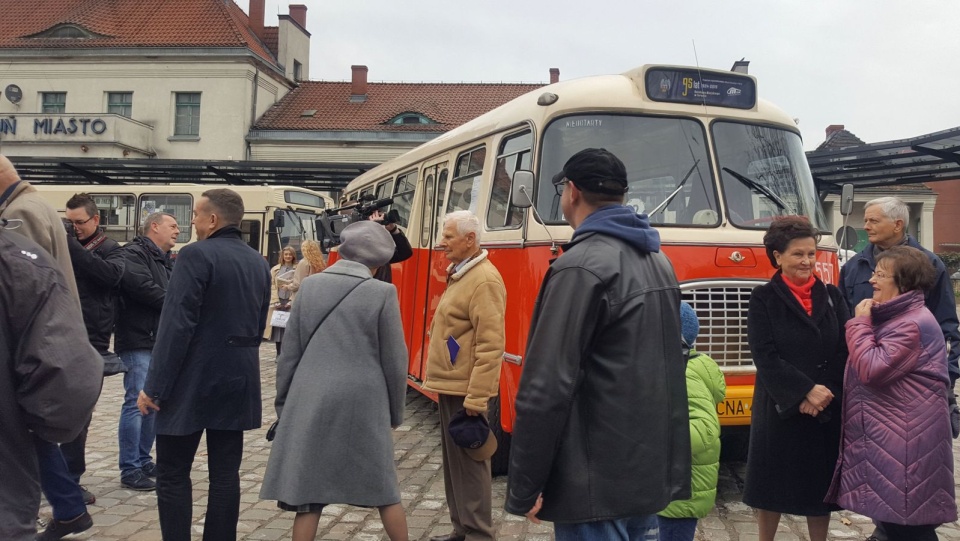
<point x="886" y="69"/>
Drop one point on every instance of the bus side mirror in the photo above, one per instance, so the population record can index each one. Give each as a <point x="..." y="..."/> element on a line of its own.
<point x="846" y="200"/>
<point x="277" y="218"/>
<point x="522" y="189"/>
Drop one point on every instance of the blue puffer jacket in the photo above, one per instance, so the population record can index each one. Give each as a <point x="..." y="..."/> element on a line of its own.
<point x="705" y="389"/>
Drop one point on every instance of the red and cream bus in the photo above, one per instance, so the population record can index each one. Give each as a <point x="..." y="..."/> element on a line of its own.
<point x="709" y="162"/>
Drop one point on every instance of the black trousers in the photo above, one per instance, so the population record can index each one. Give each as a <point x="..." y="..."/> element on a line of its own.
<point x="74" y="453"/>
<point x="175" y="455"/>
<point x="899" y="532"/>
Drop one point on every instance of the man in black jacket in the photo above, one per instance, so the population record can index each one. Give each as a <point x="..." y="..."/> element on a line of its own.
<point x="601" y="439"/>
<point x="144" y="285"/>
<point x="205" y="370"/>
<point x="49" y="383"/>
<point x="97" y="281"/>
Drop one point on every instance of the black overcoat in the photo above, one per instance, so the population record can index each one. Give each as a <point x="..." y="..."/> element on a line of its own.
<point x="792" y="455"/>
<point x="205" y="370"/>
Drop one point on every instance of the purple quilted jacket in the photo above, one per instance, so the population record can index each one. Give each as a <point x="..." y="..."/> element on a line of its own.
<point x="896" y="456"/>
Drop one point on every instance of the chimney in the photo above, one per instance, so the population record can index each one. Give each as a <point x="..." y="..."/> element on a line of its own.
<point x="298" y="12"/>
<point x="554" y="75"/>
<point x="833" y="128"/>
<point x="256" y="17"/>
<point x="358" y="87"/>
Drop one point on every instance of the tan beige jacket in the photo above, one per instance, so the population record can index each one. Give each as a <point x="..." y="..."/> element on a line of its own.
<point x="42" y="225"/>
<point x="471" y="311"/>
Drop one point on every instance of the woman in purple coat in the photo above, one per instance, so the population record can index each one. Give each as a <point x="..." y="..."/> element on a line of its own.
<point x="896" y="463"/>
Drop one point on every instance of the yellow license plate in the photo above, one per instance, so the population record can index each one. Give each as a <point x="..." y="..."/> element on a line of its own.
<point x="735" y="408"/>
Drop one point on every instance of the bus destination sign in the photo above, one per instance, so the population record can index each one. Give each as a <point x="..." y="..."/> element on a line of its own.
<point x="701" y="88"/>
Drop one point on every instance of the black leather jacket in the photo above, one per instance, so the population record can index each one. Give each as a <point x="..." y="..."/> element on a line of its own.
<point x="601" y="425"/>
<point x="97" y="281"/>
<point x="142" y="291"/>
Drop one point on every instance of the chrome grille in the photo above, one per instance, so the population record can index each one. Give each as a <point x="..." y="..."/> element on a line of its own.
<point x="722" y="309"/>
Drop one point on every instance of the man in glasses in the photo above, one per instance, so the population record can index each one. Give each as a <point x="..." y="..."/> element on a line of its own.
<point x="97" y="282"/>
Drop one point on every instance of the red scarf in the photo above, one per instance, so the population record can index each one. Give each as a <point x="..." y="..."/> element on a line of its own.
<point x="803" y="293"/>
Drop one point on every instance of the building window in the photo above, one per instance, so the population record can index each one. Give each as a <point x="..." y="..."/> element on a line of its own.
<point x="409" y="118"/>
<point x="54" y="103"/>
<point x="120" y="103"/>
<point x="297" y="71"/>
<point x="188" y="114"/>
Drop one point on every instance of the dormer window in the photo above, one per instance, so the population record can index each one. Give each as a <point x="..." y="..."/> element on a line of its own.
<point x="66" y="31"/>
<point x="410" y="118"/>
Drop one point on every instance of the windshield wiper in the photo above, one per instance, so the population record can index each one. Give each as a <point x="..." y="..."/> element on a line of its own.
<point x="753" y="185"/>
<point x="673" y="194"/>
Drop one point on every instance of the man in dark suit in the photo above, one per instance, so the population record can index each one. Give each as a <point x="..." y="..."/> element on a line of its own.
<point x="205" y="370"/>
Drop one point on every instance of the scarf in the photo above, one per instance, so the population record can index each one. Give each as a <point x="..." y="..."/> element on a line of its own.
<point x="803" y="293"/>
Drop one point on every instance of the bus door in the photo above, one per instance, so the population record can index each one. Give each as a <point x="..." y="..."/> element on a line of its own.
<point x="429" y="284"/>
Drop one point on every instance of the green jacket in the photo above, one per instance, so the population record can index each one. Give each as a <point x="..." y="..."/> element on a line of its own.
<point x="705" y="389"/>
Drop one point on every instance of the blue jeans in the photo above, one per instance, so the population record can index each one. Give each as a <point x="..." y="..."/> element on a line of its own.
<point x="136" y="432"/>
<point x="677" y="529"/>
<point x="625" y="529"/>
<point x="59" y="487"/>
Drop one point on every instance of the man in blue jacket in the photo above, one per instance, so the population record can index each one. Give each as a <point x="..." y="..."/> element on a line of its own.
<point x="885" y="222"/>
<point x="601" y="440"/>
<point x="205" y="370"/>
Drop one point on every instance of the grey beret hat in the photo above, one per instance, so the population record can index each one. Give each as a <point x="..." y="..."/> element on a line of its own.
<point x="368" y="243"/>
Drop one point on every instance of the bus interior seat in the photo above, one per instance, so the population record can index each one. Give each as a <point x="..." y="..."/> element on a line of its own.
<point x="705" y="217"/>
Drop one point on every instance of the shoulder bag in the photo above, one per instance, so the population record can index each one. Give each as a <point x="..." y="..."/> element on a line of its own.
<point x="272" y="431"/>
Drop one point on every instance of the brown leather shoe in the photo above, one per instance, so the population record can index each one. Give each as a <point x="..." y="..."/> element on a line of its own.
<point x="452" y="536"/>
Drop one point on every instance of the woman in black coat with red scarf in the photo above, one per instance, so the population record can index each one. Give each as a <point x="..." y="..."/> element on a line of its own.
<point x="795" y="329"/>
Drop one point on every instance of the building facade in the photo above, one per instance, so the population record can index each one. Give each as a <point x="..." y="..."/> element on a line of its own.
<point x="132" y="79"/>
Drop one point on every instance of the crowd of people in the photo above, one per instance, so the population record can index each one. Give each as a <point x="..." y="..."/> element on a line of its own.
<point x="616" y="434"/>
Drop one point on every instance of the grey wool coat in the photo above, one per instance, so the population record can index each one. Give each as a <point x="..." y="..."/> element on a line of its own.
<point x="339" y="395"/>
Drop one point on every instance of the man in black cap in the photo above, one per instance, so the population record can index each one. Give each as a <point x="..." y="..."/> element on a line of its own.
<point x="601" y="439"/>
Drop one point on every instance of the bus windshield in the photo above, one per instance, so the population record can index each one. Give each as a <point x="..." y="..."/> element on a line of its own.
<point x="668" y="168"/>
<point x="764" y="173"/>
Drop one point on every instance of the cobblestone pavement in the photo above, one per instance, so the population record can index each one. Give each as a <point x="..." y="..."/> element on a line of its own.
<point x="121" y="514"/>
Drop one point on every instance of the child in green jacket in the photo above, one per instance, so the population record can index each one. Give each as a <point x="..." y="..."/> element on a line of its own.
<point x="705" y="389"/>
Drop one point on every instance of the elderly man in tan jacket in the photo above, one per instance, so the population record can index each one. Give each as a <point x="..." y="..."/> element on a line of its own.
<point x="463" y="368"/>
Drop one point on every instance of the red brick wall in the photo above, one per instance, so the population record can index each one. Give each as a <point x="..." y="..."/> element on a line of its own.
<point x="946" y="233"/>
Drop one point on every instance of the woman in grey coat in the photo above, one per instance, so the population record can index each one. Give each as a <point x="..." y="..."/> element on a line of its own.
<point x="340" y="392"/>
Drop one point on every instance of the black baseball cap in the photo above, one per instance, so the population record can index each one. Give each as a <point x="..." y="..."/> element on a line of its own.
<point x="595" y="170"/>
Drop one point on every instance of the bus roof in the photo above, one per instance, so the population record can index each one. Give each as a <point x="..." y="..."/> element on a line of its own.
<point x="600" y="93"/>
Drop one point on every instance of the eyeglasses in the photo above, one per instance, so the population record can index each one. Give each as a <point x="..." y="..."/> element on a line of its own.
<point x="559" y="186"/>
<point x="78" y="223"/>
<point x="880" y="274"/>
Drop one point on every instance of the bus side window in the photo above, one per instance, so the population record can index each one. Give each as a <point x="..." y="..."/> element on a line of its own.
<point x="465" y="187"/>
<point x="118" y="215"/>
<point x="180" y="205"/>
<point x="250" y="231"/>
<point x="514" y="154"/>
<point x="403" y="196"/>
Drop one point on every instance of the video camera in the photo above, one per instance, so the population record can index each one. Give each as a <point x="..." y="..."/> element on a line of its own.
<point x="332" y="221"/>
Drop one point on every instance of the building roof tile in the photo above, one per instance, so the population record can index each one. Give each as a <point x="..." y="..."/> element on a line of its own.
<point x="130" y="23"/>
<point x="448" y="104"/>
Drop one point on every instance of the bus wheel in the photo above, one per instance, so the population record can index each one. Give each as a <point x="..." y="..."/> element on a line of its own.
<point x="501" y="459"/>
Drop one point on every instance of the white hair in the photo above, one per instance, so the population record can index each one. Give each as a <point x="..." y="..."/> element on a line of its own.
<point x="467" y="222"/>
<point x="891" y="207"/>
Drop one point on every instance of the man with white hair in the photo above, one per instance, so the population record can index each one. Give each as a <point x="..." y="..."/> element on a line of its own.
<point x="463" y="368"/>
<point x="885" y="222"/>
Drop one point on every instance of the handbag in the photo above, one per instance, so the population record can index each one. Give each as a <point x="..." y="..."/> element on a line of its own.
<point x="112" y="364"/>
<point x="279" y="318"/>
<point x="272" y="431"/>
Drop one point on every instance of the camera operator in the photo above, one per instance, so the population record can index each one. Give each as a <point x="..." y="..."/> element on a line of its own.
<point x="402" y="252"/>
